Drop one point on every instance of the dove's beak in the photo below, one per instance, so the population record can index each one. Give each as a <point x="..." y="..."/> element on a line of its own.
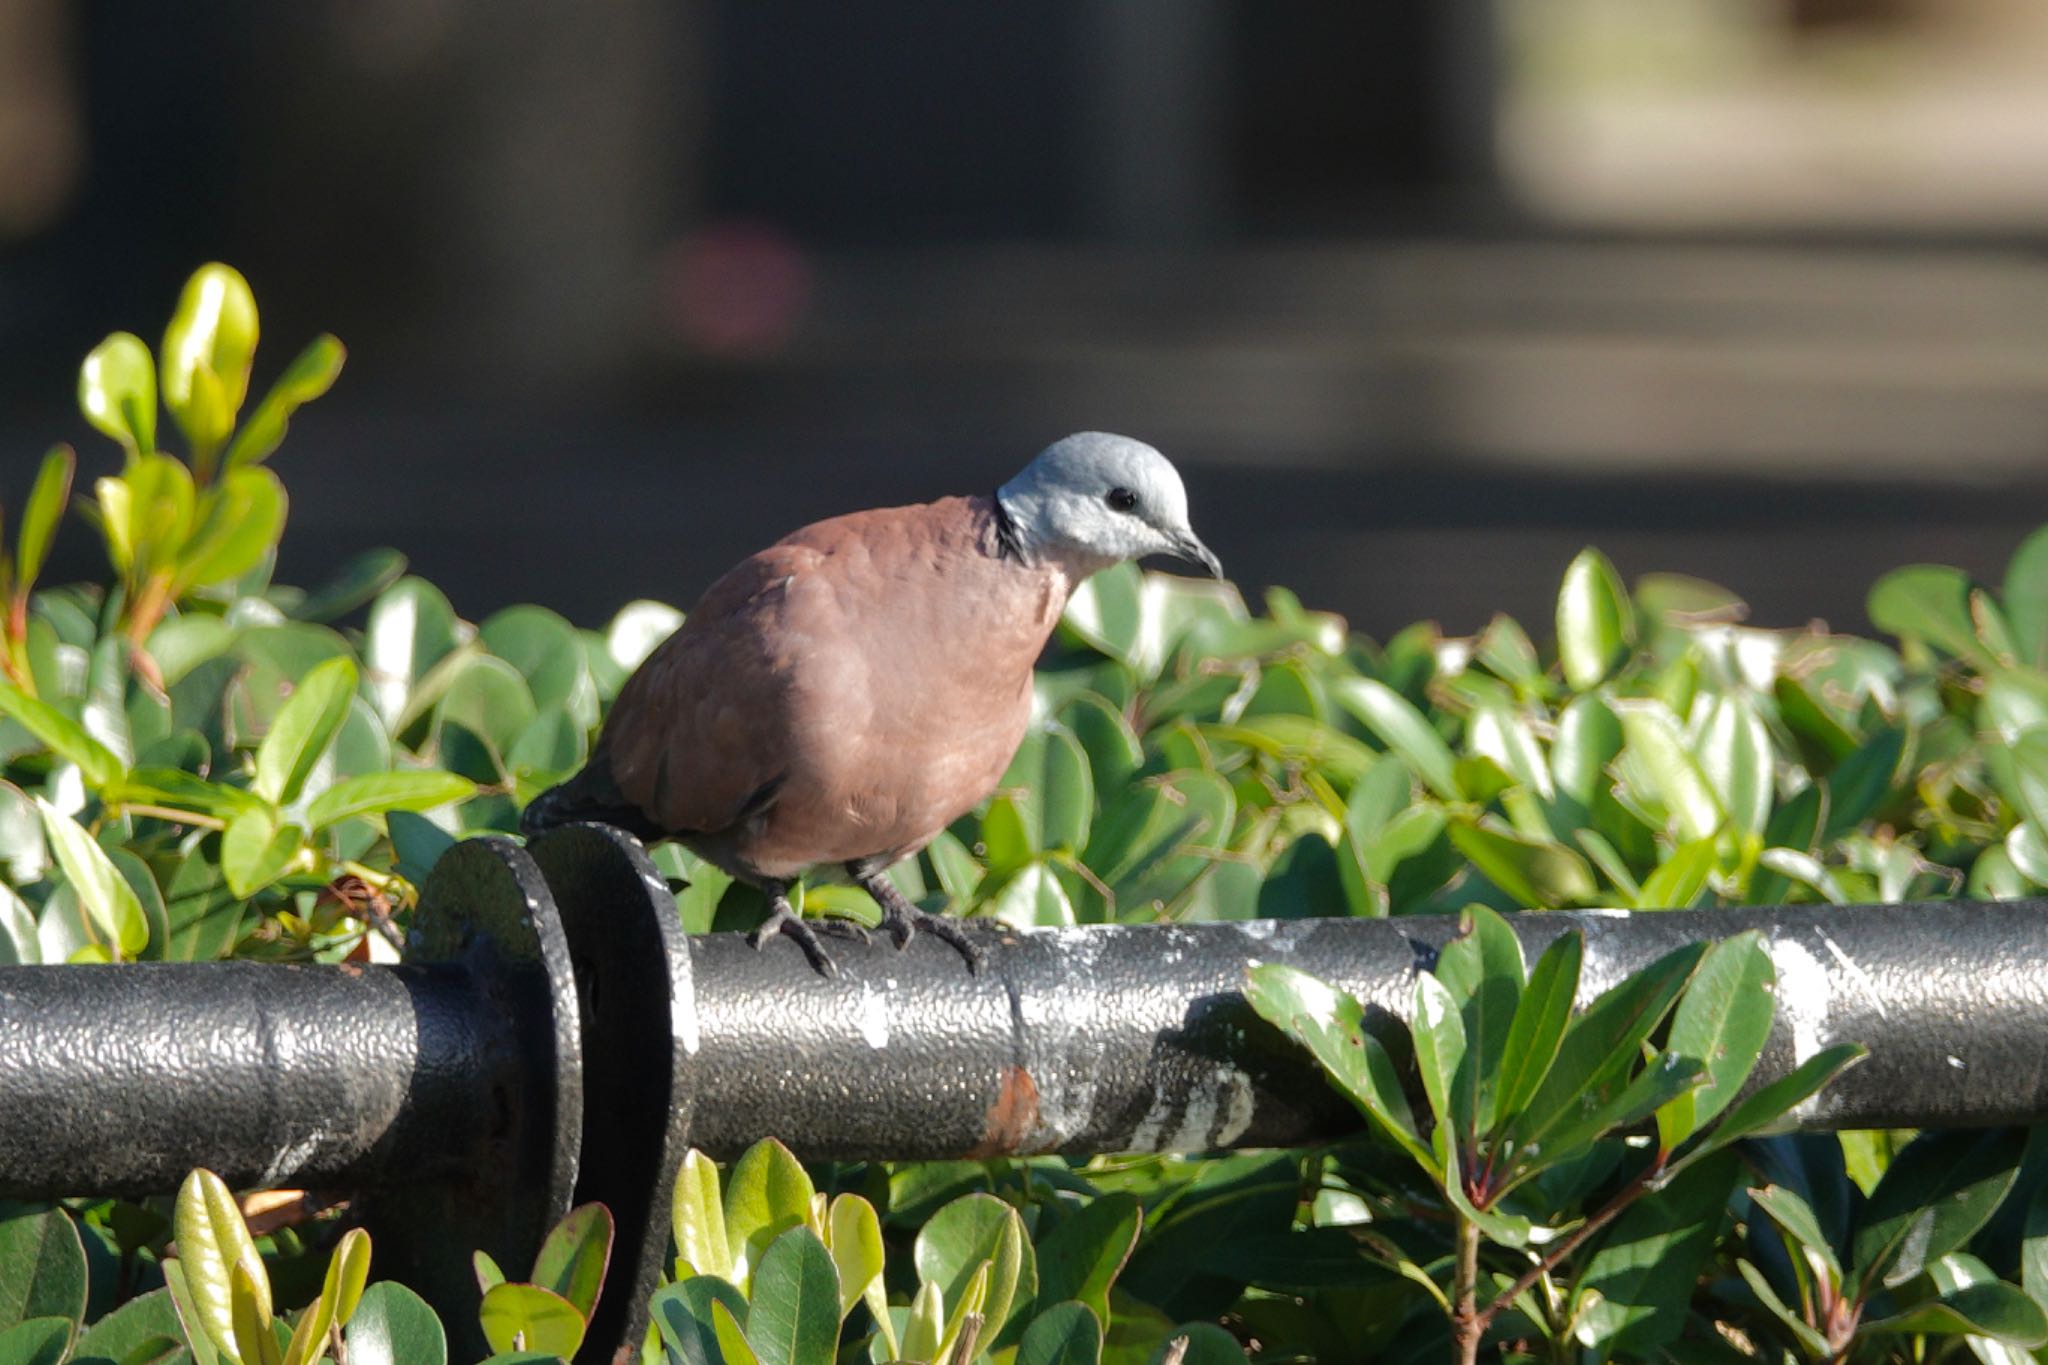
<point x="1187" y="547"/>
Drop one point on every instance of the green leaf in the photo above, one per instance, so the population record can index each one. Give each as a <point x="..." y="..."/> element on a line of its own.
<point x="1763" y="1107"/>
<point x="1636" y="1288"/>
<point x="348" y="1271"/>
<point x="697" y="1218"/>
<point x="255" y="851"/>
<point x="1541" y="1017"/>
<point x="376" y="793"/>
<point x="62" y="736"/>
<point x="1673" y="777"/>
<point x="1929" y="603"/>
<point x="311" y="374"/>
<point x="42" y="1267"/>
<point x="1723" y="1020"/>
<point x="40" y="514"/>
<point x="1595" y="624"/>
<point x="682" y="1316"/>
<point x="249" y="1306"/>
<point x="1439" y="1052"/>
<point x="1934" y="1197"/>
<point x="733" y="1348"/>
<point x="1404" y="730"/>
<point x="239" y="522"/>
<point x="110" y="904"/>
<point x="207" y="351"/>
<point x="1535" y="872"/>
<point x="142" y="1331"/>
<point x="117" y="392"/>
<point x="1482" y="969"/>
<point x="38" y="1341"/>
<point x="1678" y="880"/>
<point x="1861" y="782"/>
<point x="1796" y="1219"/>
<point x="971" y="1230"/>
<point x="1994" y="1310"/>
<point x="394" y="1326"/>
<point x="855" y="1241"/>
<point x="766" y="1194"/>
<point x="303" y="729"/>
<point x="1207" y="1344"/>
<point x="360" y="579"/>
<point x="1601" y="1048"/>
<point x="2026" y="598"/>
<point x="411" y="628"/>
<point x="1736" y="756"/>
<point x="1067" y="1333"/>
<point x="1082" y="1257"/>
<point x="574" y="1255"/>
<point x="526" y="1317"/>
<point x="212" y="1242"/>
<point x="793" y="1318"/>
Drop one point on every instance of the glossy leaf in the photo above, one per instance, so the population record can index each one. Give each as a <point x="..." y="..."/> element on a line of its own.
<point x="733" y="1347"/>
<point x="348" y="1272"/>
<point x="1677" y="881"/>
<point x="963" y="1235"/>
<point x="376" y="793"/>
<point x="1636" y="1288"/>
<point x="255" y="851"/>
<point x="207" y="351"/>
<point x="303" y="729"/>
<point x="110" y="904"/>
<point x="143" y="1331"/>
<point x="117" y="391"/>
<point x="394" y="1326"/>
<point x="213" y="1242"/>
<point x="1082" y="1257"/>
<point x="1332" y="1026"/>
<point x="311" y="374"/>
<point x="2026" y="598"/>
<point x="37" y="1341"/>
<point x="1723" y="1020"/>
<point x="697" y="1218"/>
<point x="1661" y="758"/>
<point x="855" y="1242"/>
<point x="1934" y="1197"/>
<point x="1541" y="1017"/>
<point x="574" y="1255"/>
<point x="239" y="522"/>
<point x="1595" y="624"/>
<point x="526" y="1317"/>
<point x="1066" y="1333"/>
<point x="766" y="1194"/>
<point x="1404" y="730"/>
<point x="1929" y="603"/>
<point x="794" y="1314"/>
<point x="42" y="1267"/>
<point x="682" y="1316"/>
<point x="1998" y="1311"/>
<point x="41" y="512"/>
<point x="63" y="736"/>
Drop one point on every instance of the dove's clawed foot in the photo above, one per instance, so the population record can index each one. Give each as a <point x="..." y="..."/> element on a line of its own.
<point x="786" y="922"/>
<point x="901" y="920"/>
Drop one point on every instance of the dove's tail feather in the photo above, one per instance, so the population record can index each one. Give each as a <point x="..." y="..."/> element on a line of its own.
<point x="588" y="797"/>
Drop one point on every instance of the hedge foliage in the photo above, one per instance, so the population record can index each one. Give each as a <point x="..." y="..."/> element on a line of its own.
<point x="197" y="762"/>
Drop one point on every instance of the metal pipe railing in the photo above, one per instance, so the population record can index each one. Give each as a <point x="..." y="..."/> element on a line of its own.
<point x="555" y="1038"/>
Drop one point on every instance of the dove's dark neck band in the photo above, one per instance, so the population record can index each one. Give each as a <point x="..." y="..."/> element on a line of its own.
<point x="1009" y="536"/>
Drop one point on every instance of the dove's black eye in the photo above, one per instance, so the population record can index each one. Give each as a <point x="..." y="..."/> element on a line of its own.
<point x="1122" y="499"/>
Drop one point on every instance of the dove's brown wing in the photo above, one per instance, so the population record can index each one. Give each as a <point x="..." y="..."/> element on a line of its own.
<point x="842" y="695"/>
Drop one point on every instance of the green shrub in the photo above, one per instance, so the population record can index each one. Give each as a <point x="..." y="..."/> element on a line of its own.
<point x="197" y="762"/>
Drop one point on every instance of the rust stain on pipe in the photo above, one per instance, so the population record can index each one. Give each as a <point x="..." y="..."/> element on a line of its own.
<point x="1014" y="1113"/>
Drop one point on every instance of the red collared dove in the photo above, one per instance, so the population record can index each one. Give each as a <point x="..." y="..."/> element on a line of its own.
<point x="839" y="698"/>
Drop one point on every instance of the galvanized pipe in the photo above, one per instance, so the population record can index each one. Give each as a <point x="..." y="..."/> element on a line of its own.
<point x="119" y="1080"/>
<point x="1136" y="1038"/>
<point x="554" y="1038"/>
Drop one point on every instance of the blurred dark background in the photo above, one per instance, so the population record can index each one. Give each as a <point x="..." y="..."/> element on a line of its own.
<point x="1422" y="295"/>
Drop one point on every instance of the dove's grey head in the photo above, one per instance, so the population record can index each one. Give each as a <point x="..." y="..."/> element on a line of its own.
<point x="1099" y="499"/>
